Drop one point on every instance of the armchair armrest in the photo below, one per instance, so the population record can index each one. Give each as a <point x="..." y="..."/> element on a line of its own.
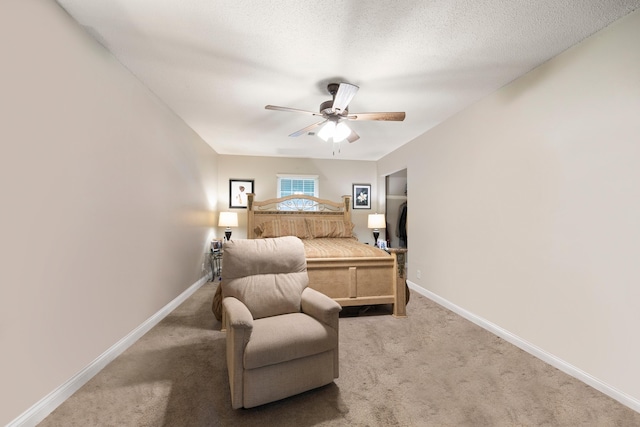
<point x="239" y="327"/>
<point x="238" y="315"/>
<point x="321" y="307"/>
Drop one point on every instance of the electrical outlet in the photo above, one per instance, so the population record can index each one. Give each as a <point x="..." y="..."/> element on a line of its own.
<point x="418" y="274"/>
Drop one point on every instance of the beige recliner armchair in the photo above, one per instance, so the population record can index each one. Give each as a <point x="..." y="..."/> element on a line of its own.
<point x="282" y="337"/>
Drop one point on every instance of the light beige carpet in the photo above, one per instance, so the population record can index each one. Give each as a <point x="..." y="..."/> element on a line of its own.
<point x="433" y="368"/>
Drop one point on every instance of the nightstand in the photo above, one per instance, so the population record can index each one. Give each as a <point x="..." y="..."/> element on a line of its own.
<point x="401" y="259"/>
<point x="215" y="260"/>
<point x="401" y="254"/>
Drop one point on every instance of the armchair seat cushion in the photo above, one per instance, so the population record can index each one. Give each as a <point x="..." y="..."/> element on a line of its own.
<point x="287" y="337"/>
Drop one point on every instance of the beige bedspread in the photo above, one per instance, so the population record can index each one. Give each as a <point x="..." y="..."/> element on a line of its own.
<point x="340" y="248"/>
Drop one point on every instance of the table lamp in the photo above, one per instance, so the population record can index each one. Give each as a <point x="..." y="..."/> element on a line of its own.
<point x="376" y="221"/>
<point x="228" y="219"/>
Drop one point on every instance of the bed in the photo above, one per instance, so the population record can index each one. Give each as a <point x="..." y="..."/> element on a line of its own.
<point x="338" y="265"/>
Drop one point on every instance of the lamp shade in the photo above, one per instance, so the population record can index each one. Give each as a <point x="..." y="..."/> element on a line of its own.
<point x="376" y="221"/>
<point x="228" y="219"/>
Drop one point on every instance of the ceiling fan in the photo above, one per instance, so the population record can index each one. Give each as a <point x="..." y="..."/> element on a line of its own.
<point x="336" y="113"/>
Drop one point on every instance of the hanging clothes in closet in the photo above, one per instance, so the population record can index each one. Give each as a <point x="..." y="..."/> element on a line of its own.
<point x="401" y="229"/>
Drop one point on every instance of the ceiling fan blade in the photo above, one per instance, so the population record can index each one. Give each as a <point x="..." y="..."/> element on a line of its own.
<point x="292" y="110"/>
<point x="353" y="136"/>
<point x="391" y="117"/>
<point x="345" y="94"/>
<point x="308" y="128"/>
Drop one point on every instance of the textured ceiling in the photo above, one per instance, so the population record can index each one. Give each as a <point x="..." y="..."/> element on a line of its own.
<point x="217" y="63"/>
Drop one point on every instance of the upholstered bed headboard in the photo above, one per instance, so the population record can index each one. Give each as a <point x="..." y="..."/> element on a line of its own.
<point x="293" y="211"/>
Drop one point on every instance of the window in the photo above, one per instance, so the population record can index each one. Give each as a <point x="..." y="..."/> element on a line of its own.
<point x="289" y="185"/>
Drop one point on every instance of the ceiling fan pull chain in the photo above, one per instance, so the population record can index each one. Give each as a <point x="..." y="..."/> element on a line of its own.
<point x="338" y="145"/>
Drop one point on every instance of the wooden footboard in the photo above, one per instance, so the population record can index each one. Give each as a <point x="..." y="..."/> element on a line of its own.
<point x="359" y="281"/>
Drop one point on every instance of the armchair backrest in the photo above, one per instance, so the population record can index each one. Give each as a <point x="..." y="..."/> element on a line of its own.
<point x="267" y="275"/>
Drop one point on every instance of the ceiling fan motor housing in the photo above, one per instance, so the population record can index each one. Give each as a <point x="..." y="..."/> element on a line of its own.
<point x="327" y="106"/>
<point x="326" y="109"/>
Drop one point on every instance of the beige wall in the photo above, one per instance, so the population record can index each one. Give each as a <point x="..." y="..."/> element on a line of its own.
<point x="335" y="180"/>
<point x="525" y="208"/>
<point x="107" y="201"/>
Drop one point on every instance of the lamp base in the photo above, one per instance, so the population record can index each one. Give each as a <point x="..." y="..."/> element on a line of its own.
<point x="376" y="234"/>
<point x="227" y="234"/>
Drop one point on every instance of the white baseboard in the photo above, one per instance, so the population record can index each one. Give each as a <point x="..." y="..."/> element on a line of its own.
<point x="47" y="404"/>
<point x="541" y="354"/>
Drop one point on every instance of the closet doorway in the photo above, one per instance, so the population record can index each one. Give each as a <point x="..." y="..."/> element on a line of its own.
<point x="396" y="209"/>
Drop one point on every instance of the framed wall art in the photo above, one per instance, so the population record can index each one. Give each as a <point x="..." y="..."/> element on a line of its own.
<point x="361" y="196"/>
<point x="238" y="190"/>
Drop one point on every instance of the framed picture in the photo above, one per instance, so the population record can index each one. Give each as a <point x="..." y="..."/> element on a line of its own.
<point x="238" y="190"/>
<point x="361" y="196"/>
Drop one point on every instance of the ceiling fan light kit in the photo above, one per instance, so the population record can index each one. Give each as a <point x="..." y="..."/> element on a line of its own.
<point x="341" y="132"/>
<point x="338" y="132"/>
<point x="327" y="130"/>
<point x="336" y="113"/>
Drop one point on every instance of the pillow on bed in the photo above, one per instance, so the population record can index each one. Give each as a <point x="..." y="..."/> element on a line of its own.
<point x="284" y="227"/>
<point x="329" y="228"/>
